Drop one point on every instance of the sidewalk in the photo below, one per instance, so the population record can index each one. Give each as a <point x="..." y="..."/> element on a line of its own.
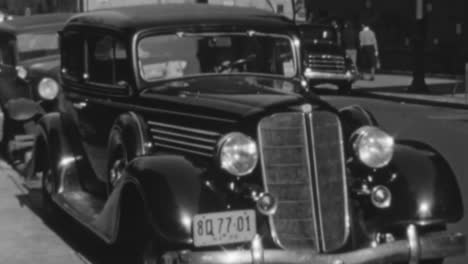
<point x="443" y="92"/>
<point x="24" y="236"/>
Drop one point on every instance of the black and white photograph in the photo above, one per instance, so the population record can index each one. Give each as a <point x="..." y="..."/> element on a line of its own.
<point x="233" y="131"/>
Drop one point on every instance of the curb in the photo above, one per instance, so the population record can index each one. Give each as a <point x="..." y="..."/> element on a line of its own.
<point x="404" y="99"/>
<point x="457" y="76"/>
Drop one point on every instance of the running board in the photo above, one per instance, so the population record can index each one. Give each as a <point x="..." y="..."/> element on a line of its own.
<point x="83" y="207"/>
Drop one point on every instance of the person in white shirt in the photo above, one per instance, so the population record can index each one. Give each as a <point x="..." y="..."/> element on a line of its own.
<point x="369" y="50"/>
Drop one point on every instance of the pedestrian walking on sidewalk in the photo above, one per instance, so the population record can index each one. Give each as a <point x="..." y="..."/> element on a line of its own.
<point x="350" y="39"/>
<point x="334" y="23"/>
<point x="369" y="51"/>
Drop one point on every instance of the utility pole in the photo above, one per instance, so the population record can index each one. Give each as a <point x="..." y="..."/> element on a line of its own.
<point x="308" y="9"/>
<point x="293" y="5"/>
<point x="418" y="84"/>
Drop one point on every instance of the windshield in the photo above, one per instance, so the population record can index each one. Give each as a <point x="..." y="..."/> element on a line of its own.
<point x="172" y="56"/>
<point x="38" y="44"/>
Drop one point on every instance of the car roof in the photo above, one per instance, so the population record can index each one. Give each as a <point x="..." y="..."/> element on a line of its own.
<point x="34" y="23"/>
<point x="135" y="18"/>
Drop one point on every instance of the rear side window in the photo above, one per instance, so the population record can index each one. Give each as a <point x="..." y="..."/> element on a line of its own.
<point x="7" y="51"/>
<point x="73" y="59"/>
<point x="107" y="60"/>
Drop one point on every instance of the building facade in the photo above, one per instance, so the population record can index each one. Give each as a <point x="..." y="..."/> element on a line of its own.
<point x="394" y="22"/>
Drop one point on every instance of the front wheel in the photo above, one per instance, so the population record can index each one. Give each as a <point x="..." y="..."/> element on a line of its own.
<point x="135" y="242"/>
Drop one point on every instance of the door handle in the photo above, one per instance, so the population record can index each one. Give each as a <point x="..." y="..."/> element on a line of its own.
<point x="80" y="105"/>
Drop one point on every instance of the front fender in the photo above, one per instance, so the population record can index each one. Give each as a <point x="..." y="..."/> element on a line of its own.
<point x="22" y="109"/>
<point x="353" y="117"/>
<point x="172" y="190"/>
<point x="425" y="189"/>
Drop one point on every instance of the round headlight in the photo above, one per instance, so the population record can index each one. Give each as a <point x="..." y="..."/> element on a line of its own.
<point x="48" y="88"/>
<point x="372" y="146"/>
<point x="21" y="72"/>
<point x="238" y="154"/>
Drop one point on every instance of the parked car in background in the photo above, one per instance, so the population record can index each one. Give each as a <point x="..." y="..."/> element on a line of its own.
<point x="29" y="78"/>
<point x="324" y="59"/>
<point x="189" y="137"/>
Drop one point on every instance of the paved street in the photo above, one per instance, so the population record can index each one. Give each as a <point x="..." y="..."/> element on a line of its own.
<point x="444" y="128"/>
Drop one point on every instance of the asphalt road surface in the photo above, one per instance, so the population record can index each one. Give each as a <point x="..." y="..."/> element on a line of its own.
<point x="26" y="238"/>
<point x="445" y="129"/>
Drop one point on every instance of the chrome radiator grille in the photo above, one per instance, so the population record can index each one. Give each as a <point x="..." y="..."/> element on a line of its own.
<point x="183" y="139"/>
<point x="326" y="63"/>
<point x="303" y="167"/>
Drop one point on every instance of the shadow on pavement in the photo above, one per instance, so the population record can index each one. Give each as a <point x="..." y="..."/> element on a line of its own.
<point x="87" y="245"/>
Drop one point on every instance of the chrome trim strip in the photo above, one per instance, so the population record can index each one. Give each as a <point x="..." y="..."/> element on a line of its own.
<point x="155" y="130"/>
<point x="345" y="179"/>
<point x="126" y="107"/>
<point x="184" y="149"/>
<point x="183" y="143"/>
<point x="414" y="244"/>
<point x="140" y="132"/>
<point x="343" y="173"/>
<point x="311" y="148"/>
<point x="194" y="130"/>
<point x="274" y="232"/>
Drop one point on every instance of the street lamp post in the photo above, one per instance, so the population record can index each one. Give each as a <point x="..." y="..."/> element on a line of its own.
<point x="418" y="84"/>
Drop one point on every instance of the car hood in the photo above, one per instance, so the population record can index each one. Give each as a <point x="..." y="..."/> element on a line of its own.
<point x="49" y="64"/>
<point x="230" y="96"/>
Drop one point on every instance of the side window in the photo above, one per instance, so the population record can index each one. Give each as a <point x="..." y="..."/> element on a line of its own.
<point x="72" y="45"/>
<point x="7" y="51"/>
<point x="107" y="60"/>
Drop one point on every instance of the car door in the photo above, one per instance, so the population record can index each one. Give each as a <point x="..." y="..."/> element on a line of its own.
<point x="93" y="94"/>
<point x="8" y="75"/>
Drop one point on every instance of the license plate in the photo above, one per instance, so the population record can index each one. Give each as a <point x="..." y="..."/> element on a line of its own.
<point x="224" y="228"/>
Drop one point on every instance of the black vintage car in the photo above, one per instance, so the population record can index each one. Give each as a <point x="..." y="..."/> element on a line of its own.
<point x="324" y="59"/>
<point x="29" y="72"/>
<point x="190" y="137"/>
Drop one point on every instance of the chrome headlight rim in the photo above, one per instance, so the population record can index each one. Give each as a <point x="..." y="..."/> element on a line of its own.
<point x="377" y="138"/>
<point x="48" y="88"/>
<point x="227" y="139"/>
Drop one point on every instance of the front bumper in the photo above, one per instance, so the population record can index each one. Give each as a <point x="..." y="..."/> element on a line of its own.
<point x="411" y="250"/>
